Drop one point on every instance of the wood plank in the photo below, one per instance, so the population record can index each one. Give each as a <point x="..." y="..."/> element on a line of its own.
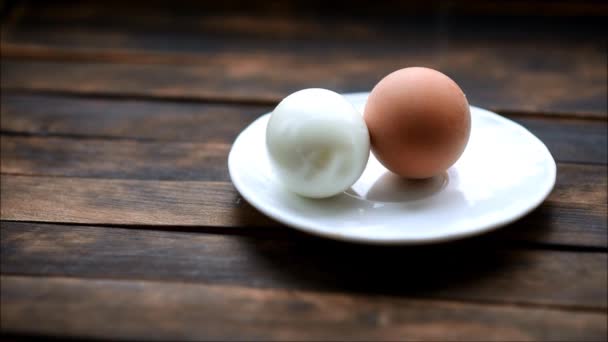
<point x="571" y="140"/>
<point x="78" y="200"/>
<point x="564" y="138"/>
<point x="504" y="276"/>
<point x="238" y="77"/>
<point x="500" y="61"/>
<point x="573" y="214"/>
<point x="134" y="119"/>
<point x="167" y="311"/>
<point x="114" y="159"/>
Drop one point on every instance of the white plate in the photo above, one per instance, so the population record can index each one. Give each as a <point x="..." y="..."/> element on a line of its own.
<point x="504" y="173"/>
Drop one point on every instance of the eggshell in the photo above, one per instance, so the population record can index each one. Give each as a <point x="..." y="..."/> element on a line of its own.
<point x="419" y="122"/>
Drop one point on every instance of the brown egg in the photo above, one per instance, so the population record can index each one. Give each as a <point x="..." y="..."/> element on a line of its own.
<point x="419" y="122"/>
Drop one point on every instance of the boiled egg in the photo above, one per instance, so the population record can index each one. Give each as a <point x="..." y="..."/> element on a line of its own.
<point x="419" y="122"/>
<point x="318" y="143"/>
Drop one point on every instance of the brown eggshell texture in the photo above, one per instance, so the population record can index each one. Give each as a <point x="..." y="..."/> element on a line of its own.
<point x="419" y="122"/>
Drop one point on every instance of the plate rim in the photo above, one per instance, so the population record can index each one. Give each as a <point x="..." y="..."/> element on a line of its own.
<point x="476" y="230"/>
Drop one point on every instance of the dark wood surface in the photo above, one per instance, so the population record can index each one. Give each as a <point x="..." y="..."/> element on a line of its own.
<point x="119" y="220"/>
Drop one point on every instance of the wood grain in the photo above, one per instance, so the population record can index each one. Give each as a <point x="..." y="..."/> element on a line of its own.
<point x="118" y="220"/>
<point x="573" y="214"/>
<point x="143" y="309"/>
<point x="130" y="119"/>
<point x="114" y="159"/>
<point x="150" y="160"/>
<point x="571" y="140"/>
<point x="237" y="77"/>
<point x="500" y="61"/>
<point x="455" y="272"/>
<point x="81" y="200"/>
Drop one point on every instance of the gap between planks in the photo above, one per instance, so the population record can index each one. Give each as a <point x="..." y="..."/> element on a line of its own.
<point x="216" y="99"/>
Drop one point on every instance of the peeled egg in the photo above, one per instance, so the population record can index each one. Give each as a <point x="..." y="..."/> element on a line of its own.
<point x="419" y="122"/>
<point x="317" y="142"/>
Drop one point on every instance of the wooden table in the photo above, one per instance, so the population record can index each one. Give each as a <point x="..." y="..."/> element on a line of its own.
<point x="119" y="219"/>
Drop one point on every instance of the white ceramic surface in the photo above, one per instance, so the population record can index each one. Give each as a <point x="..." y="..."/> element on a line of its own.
<point x="504" y="173"/>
